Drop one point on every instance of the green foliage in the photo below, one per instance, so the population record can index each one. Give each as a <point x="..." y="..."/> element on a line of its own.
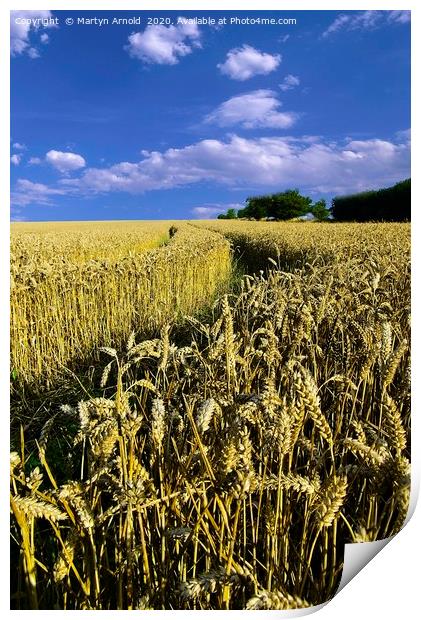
<point x="320" y="210"/>
<point x="280" y="206"/>
<point x="391" y="204"/>
<point x="231" y="214"/>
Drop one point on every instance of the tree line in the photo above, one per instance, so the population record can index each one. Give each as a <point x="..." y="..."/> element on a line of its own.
<point x="388" y="204"/>
<point x="391" y="204"/>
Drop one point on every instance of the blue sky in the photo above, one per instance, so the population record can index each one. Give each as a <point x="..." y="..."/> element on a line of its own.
<point x="184" y="120"/>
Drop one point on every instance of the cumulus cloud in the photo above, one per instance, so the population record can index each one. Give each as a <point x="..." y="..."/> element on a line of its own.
<point x="257" y="164"/>
<point x="16" y="159"/>
<point x="211" y="210"/>
<point x="243" y="63"/>
<point x="164" y="45"/>
<point x="309" y="163"/>
<point x="44" y="38"/>
<point x="367" y="20"/>
<point x="404" y="135"/>
<point x="65" y="162"/>
<point x="34" y="161"/>
<point x="18" y="146"/>
<point x="27" y="192"/>
<point x="33" y="52"/>
<point x="258" y="108"/>
<point x="290" y="81"/>
<point x="23" y="26"/>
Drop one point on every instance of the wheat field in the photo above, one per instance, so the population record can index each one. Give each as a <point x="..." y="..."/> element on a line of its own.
<point x="77" y="285"/>
<point x="249" y="415"/>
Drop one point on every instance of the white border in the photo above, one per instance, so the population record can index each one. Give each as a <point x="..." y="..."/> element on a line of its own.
<point x="387" y="587"/>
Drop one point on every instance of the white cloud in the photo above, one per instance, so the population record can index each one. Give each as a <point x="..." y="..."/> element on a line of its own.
<point x="27" y="192"/>
<point x="209" y="211"/>
<point x="367" y="20"/>
<point x="44" y="38"/>
<point x="290" y="81"/>
<point x="33" y="52"/>
<point x="271" y="162"/>
<point x="258" y="108"/>
<point x="164" y="45"/>
<point x="258" y="164"/>
<point x="15" y="215"/>
<point x="65" y="162"/>
<point x="243" y="63"/>
<point x="400" y="17"/>
<point x="34" y="161"/>
<point x="23" y="24"/>
<point x="16" y="159"/>
<point x="18" y="146"/>
<point x="404" y="135"/>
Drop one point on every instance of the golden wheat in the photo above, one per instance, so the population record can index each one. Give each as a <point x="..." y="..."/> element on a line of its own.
<point x="227" y="467"/>
<point x="63" y="304"/>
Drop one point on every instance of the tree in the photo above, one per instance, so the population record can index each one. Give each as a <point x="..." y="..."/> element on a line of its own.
<point x="231" y="214"/>
<point x="289" y="204"/>
<point x="285" y="205"/>
<point x="255" y="208"/>
<point x="320" y="211"/>
<point x="390" y="204"/>
<point x="281" y="206"/>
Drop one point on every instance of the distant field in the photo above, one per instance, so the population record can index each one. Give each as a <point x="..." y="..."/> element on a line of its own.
<point x="224" y="465"/>
<point x="294" y="242"/>
<point x="34" y="242"/>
